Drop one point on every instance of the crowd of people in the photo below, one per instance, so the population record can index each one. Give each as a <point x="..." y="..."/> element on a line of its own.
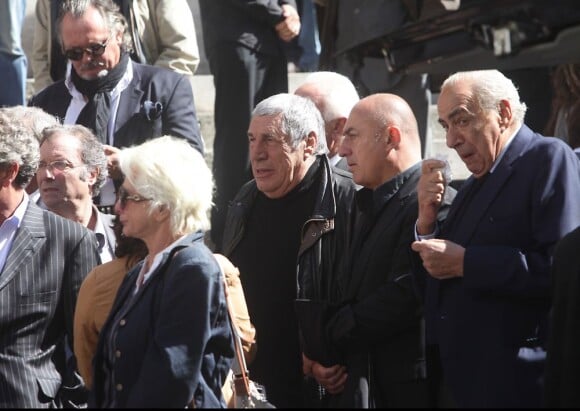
<point x="354" y="271"/>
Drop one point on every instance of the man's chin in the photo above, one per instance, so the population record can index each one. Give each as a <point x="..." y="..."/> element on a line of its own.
<point x="91" y="75"/>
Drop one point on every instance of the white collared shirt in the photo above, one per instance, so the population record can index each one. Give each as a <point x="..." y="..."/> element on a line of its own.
<point x="105" y="248"/>
<point x="8" y="230"/>
<point x="78" y="102"/>
<point x="145" y="274"/>
<point x="334" y="159"/>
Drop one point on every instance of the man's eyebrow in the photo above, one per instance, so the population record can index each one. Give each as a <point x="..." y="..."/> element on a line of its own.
<point x="349" y="130"/>
<point x="457" y="111"/>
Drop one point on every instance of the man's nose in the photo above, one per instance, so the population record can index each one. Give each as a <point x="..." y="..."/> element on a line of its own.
<point x="344" y="148"/>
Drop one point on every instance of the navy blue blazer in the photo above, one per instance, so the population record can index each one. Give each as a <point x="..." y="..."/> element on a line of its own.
<point x="132" y="125"/>
<point x="490" y="324"/>
<point x="172" y="341"/>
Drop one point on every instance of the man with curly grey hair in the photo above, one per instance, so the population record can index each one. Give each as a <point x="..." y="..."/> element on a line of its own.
<point x="43" y="260"/>
<point x="72" y="170"/>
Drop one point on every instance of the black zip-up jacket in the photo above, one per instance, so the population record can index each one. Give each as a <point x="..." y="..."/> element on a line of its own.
<point x="325" y="234"/>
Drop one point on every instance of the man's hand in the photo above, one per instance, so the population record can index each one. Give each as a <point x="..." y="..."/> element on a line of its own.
<point x="442" y="259"/>
<point x="331" y="378"/>
<point x="112" y="154"/>
<point x="288" y="28"/>
<point x="430" y="191"/>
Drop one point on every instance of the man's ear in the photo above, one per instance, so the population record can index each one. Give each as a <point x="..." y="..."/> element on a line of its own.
<point x="393" y="137"/>
<point x="8" y="174"/>
<point x="338" y="125"/>
<point x="505" y="114"/>
<point x="311" y="143"/>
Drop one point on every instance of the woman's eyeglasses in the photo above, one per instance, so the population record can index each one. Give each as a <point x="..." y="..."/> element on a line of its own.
<point x="94" y="50"/>
<point x="123" y="196"/>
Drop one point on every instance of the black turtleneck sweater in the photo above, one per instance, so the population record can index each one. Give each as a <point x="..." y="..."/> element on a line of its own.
<point x="266" y="257"/>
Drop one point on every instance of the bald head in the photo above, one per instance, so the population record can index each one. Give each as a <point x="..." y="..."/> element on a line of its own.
<point x="381" y="139"/>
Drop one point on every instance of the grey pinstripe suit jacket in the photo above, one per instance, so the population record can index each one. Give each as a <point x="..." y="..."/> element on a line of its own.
<point x="49" y="258"/>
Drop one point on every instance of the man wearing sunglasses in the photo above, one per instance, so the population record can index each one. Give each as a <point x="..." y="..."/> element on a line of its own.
<point x="124" y="103"/>
<point x="163" y="35"/>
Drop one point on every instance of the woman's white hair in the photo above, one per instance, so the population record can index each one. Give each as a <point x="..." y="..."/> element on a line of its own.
<point x="172" y="174"/>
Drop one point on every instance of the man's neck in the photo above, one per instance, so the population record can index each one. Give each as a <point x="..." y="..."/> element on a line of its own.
<point x="80" y="212"/>
<point x="10" y="199"/>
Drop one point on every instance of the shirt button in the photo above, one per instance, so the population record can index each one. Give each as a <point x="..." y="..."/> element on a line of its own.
<point x="119" y="387"/>
<point x="122" y="322"/>
<point x="118" y="354"/>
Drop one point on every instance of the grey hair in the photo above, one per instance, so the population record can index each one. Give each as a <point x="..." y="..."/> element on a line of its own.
<point x="173" y="174"/>
<point x="338" y="92"/>
<point x="116" y="22"/>
<point x="34" y="118"/>
<point x="92" y="152"/>
<point x="299" y="118"/>
<point x="18" y="145"/>
<point x="488" y="88"/>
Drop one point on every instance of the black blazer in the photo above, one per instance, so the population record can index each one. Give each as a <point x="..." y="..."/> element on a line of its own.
<point x="49" y="259"/>
<point x="563" y="360"/>
<point x="132" y="126"/>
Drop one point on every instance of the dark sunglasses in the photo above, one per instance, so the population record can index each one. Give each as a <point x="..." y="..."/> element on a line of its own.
<point x="123" y="196"/>
<point x="94" y="50"/>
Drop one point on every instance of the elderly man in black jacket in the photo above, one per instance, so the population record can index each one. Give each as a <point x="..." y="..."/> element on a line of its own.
<point x="286" y="230"/>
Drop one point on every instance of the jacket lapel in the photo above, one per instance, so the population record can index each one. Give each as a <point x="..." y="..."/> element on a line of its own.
<point x="27" y="241"/>
<point x="129" y="104"/>
<point x="463" y="233"/>
<point x="126" y="297"/>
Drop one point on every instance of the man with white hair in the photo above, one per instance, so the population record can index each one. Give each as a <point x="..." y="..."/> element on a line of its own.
<point x="334" y="95"/>
<point x="486" y="269"/>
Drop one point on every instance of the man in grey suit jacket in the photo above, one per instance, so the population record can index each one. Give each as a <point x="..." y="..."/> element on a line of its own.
<point x="124" y="103"/>
<point x="43" y="260"/>
<point x="72" y="170"/>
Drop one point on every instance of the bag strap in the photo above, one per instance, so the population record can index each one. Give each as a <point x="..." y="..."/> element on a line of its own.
<point x="239" y="367"/>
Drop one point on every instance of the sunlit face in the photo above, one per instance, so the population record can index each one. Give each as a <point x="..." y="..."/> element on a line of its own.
<point x="133" y="212"/>
<point x="84" y="32"/>
<point x="365" y="151"/>
<point x="66" y="188"/>
<point x="473" y="133"/>
<point x="276" y="166"/>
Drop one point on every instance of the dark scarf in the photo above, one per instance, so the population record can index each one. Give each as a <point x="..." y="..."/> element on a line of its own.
<point x="95" y="114"/>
